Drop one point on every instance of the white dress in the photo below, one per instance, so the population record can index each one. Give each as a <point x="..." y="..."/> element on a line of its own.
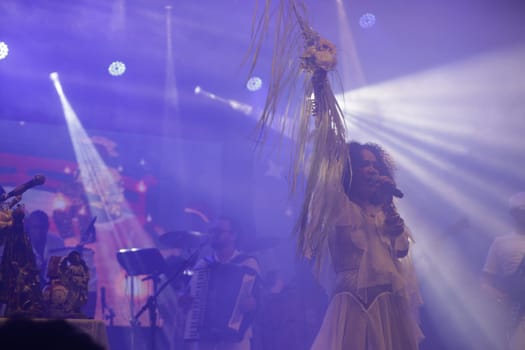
<point x="375" y="293"/>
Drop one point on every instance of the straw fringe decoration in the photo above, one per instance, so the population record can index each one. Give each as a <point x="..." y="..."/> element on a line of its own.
<point x="302" y="57"/>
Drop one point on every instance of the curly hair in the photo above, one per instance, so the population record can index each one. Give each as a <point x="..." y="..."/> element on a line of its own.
<point x="385" y="163"/>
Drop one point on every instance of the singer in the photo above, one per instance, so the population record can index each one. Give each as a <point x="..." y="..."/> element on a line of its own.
<point x="374" y="292"/>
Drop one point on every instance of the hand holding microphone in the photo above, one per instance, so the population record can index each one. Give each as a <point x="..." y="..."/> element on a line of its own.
<point x="386" y="190"/>
<point x="394" y="224"/>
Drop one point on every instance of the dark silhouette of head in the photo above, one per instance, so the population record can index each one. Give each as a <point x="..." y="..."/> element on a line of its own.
<point x="37" y="226"/>
<point x="17" y="334"/>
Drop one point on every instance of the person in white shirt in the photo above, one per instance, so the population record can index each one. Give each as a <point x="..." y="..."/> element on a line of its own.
<point x="504" y="273"/>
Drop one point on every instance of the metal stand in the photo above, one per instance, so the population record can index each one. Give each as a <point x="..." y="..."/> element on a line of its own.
<point x="151" y="304"/>
<point x="137" y="262"/>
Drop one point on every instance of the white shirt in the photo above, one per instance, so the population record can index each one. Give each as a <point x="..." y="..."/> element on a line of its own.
<point x="505" y="254"/>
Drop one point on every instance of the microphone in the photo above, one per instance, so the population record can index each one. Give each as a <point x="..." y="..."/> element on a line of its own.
<point x="388" y="187"/>
<point x="17" y="191"/>
<point x="393" y="190"/>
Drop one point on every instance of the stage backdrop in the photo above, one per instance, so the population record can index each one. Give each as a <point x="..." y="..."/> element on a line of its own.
<point x="141" y="186"/>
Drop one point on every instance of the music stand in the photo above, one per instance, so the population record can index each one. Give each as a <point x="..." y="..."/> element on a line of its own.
<point x="151" y="304"/>
<point x="145" y="261"/>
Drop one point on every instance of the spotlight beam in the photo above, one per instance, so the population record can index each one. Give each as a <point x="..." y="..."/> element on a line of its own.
<point x="99" y="181"/>
<point x="236" y="105"/>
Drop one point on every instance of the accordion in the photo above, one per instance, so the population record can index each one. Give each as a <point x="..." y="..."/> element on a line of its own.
<point x="218" y="291"/>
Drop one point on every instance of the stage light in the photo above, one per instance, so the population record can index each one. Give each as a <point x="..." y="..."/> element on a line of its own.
<point x="141" y="186"/>
<point x="117" y="68"/>
<point x="367" y="20"/>
<point x="4" y="50"/>
<point x="254" y="84"/>
<point x="352" y="74"/>
<point x="238" y="106"/>
<point x="60" y="202"/>
<point x="56" y="82"/>
<point x="106" y="198"/>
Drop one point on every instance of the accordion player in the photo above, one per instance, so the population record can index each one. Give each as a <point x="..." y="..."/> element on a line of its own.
<point x="219" y="291"/>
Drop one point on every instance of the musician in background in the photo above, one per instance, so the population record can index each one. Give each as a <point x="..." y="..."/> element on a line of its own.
<point x="5" y="217"/>
<point x="6" y="221"/>
<point x="47" y="244"/>
<point x="224" y="237"/>
<point x="504" y="273"/>
<point x="43" y="241"/>
<point x="19" y="280"/>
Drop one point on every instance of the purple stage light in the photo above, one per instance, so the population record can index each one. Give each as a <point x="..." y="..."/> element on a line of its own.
<point x="367" y="20"/>
<point x="254" y="84"/>
<point x="4" y="50"/>
<point x="117" y="68"/>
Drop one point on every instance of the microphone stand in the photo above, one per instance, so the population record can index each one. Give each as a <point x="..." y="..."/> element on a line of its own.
<point x="151" y="303"/>
<point x="108" y="314"/>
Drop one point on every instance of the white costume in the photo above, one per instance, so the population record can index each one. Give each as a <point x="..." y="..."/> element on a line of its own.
<point x="374" y="293"/>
